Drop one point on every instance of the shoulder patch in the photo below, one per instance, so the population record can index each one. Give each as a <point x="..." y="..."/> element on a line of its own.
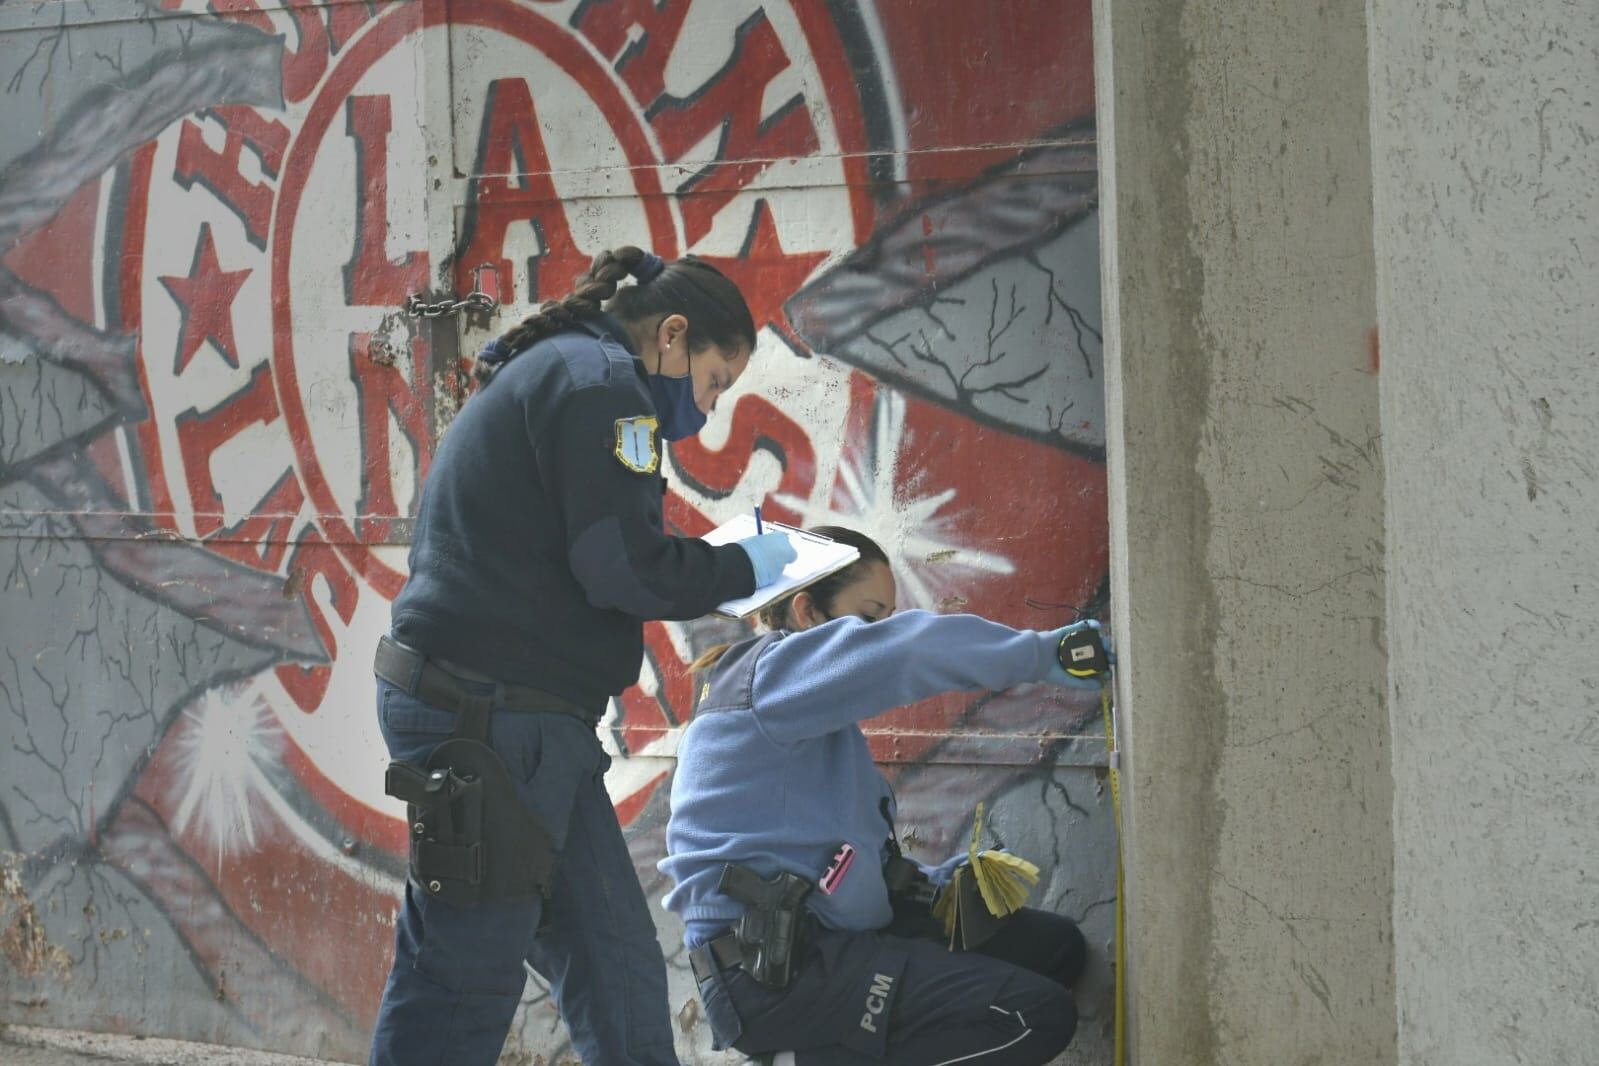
<point x="636" y="444"/>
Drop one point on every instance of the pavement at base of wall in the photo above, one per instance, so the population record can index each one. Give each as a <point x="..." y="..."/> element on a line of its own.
<point x="25" y="1045"/>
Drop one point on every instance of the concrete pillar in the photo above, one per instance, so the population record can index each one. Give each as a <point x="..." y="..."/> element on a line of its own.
<point x="1246" y="510"/>
<point x="1486" y="168"/>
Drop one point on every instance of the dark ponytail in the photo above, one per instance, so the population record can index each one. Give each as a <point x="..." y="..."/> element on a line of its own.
<point x="823" y="592"/>
<point x="691" y="287"/>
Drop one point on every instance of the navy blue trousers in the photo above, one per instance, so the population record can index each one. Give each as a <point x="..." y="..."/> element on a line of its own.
<point x="881" y="998"/>
<point x="458" y="975"/>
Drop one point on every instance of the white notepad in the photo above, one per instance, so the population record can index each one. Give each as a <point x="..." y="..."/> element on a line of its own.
<point x="816" y="557"/>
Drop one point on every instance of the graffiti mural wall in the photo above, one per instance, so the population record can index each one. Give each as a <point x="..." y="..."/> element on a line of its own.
<point x="216" y="413"/>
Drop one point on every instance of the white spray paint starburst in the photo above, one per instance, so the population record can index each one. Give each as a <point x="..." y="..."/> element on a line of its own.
<point x="916" y="531"/>
<point x="222" y="761"/>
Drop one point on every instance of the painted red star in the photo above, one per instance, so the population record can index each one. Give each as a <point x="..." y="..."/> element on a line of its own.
<point x="205" y="299"/>
<point x="764" y="273"/>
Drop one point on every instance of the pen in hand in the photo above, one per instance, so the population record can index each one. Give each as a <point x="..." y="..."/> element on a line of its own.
<point x="758" y="528"/>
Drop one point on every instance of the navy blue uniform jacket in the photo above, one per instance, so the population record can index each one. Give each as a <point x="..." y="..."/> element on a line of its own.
<point x="539" y="547"/>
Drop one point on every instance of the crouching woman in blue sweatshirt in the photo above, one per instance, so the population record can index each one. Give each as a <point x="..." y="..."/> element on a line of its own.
<point x="774" y="777"/>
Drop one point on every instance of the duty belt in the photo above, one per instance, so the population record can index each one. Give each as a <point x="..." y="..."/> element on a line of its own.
<point x="410" y="670"/>
<point x="714" y="956"/>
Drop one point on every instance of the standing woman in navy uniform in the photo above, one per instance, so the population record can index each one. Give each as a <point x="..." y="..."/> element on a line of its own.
<point x="538" y="553"/>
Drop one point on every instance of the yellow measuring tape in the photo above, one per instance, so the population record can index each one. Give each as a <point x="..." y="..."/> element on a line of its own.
<point x="1112" y="757"/>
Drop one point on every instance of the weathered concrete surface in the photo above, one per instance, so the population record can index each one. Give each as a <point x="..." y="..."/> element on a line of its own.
<point x="25" y="1045"/>
<point x="1246" y="508"/>
<point x="1484" y="126"/>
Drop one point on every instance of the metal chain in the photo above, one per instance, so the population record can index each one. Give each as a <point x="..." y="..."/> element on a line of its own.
<point x="382" y="347"/>
<point x="416" y="307"/>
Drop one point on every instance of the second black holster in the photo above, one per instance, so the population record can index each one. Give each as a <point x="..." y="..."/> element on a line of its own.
<point x="770" y="930"/>
<point x="472" y="840"/>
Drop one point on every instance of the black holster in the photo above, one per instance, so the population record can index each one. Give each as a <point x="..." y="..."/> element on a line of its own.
<point x="769" y="933"/>
<point x="472" y="840"/>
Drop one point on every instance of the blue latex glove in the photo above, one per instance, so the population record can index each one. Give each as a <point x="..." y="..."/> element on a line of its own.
<point x="939" y="875"/>
<point x="768" y="553"/>
<point x="1057" y="674"/>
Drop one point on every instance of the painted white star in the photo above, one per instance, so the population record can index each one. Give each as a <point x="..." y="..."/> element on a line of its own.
<point x="915" y="531"/>
<point x="230" y="778"/>
<point x="222" y="760"/>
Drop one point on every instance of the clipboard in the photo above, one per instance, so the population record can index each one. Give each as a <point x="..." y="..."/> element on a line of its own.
<point x="816" y="558"/>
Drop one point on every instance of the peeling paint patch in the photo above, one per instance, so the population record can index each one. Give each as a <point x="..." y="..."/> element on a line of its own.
<point x="689" y="1016"/>
<point x="449" y="393"/>
<point x="22" y="939"/>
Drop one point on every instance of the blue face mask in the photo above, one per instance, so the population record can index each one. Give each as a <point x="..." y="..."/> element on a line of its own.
<point x="674" y="405"/>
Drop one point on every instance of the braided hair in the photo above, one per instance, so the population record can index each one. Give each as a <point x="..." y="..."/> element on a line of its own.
<point x="715" y="309"/>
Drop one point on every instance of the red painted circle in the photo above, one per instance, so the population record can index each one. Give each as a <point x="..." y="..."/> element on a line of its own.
<point x="380" y="36"/>
<point x="504" y="15"/>
<point x="842" y="90"/>
<point x="390" y="29"/>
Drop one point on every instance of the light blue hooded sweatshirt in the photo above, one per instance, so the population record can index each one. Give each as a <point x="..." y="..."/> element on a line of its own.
<point x="774" y="772"/>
